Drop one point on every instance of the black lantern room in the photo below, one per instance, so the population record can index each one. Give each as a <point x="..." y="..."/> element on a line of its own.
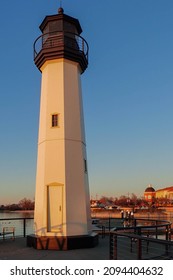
<point x="61" y="39"/>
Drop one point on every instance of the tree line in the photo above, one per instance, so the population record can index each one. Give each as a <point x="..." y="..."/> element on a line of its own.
<point x="23" y="204"/>
<point x="131" y="200"/>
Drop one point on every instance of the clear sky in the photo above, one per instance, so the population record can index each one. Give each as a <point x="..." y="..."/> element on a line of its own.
<point x="127" y="94"/>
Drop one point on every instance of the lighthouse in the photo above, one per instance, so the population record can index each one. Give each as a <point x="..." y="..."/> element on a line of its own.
<point x="62" y="217"/>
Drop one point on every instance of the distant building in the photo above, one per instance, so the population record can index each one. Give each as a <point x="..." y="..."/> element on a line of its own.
<point x="150" y="194"/>
<point x="165" y="193"/>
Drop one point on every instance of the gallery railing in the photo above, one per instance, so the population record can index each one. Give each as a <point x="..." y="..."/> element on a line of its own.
<point x="59" y="40"/>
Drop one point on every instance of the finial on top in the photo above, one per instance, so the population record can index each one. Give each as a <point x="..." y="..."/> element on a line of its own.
<point x="60" y="10"/>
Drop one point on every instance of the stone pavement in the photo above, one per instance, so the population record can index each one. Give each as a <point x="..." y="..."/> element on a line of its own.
<point x="17" y="250"/>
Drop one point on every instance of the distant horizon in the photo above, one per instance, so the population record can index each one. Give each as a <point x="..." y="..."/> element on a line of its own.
<point x="99" y="196"/>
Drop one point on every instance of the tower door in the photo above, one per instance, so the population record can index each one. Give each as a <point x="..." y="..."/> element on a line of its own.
<point x="54" y="217"/>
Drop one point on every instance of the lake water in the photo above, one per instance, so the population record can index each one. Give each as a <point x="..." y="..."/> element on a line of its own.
<point x="165" y="214"/>
<point x="16" y="214"/>
<point x="18" y="224"/>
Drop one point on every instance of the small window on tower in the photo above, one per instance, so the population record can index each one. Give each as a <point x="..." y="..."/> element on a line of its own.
<point x="54" y="120"/>
<point x="85" y="165"/>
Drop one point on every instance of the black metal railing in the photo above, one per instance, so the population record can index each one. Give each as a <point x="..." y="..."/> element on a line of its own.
<point x="61" y="39"/>
<point x="111" y="222"/>
<point x="141" y="239"/>
<point x="126" y="246"/>
<point x="22" y="226"/>
<point x="153" y="235"/>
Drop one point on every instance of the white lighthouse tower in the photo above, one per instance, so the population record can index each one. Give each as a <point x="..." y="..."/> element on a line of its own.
<point x="62" y="209"/>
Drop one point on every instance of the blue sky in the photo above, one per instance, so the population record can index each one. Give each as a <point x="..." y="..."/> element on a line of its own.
<point x="127" y="94"/>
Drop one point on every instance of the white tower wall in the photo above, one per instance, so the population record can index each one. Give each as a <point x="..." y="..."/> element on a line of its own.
<point x="62" y="191"/>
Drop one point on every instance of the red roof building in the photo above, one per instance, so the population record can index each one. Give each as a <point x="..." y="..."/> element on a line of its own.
<point x="150" y="194"/>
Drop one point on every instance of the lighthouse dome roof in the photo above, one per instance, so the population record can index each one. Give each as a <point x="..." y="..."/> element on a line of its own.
<point x="150" y="189"/>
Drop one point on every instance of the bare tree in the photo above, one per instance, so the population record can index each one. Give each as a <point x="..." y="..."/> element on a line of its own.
<point x="26" y="204"/>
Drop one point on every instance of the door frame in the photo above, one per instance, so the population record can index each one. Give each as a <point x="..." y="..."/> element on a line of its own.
<point x="55" y="184"/>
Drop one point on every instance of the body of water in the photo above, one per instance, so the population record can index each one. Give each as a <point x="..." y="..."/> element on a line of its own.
<point x="16" y="214"/>
<point x="166" y="214"/>
<point x="18" y="224"/>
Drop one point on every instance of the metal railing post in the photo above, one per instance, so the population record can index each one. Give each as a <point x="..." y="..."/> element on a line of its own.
<point x="139" y="257"/>
<point x="167" y="238"/>
<point x="115" y="253"/>
<point x="139" y="231"/>
<point x="109" y="223"/>
<point x="103" y="232"/>
<point x="113" y="247"/>
<point x="135" y="223"/>
<point x="167" y="232"/>
<point x="24" y="227"/>
<point x="110" y="246"/>
<point x="156" y="230"/>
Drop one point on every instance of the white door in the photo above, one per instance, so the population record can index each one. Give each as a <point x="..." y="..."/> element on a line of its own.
<point x="54" y="217"/>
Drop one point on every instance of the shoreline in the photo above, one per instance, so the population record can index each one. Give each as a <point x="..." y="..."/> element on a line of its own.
<point x="22" y="211"/>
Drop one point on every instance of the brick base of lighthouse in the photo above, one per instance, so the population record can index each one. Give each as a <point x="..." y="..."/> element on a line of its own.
<point x="62" y="243"/>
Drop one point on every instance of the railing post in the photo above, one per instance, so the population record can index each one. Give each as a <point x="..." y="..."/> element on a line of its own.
<point x="131" y="243"/>
<point x="167" y="232"/>
<point x="156" y="230"/>
<point x="167" y="238"/>
<point x="139" y="249"/>
<point x="135" y="223"/>
<point x="109" y="223"/>
<point x="24" y="227"/>
<point x="111" y="246"/>
<point x="115" y="253"/>
<point x="83" y="46"/>
<point x="139" y="231"/>
<point x="114" y="247"/>
<point x="103" y="231"/>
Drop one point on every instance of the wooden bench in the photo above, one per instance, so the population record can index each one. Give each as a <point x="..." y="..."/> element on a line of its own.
<point x="7" y="231"/>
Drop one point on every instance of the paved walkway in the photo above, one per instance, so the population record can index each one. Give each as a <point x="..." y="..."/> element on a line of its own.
<point x="17" y="250"/>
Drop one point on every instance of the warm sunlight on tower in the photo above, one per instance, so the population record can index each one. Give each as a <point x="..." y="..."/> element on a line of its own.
<point x="62" y="208"/>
